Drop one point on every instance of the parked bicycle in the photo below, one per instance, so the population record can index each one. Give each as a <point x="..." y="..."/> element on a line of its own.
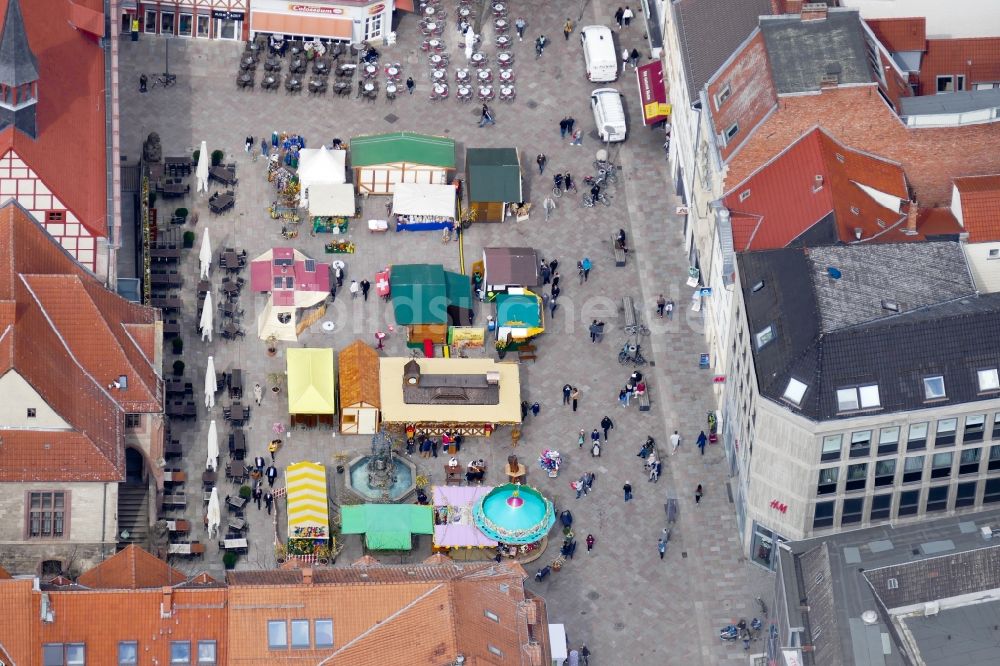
<point x="589" y="201"/>
<point x="164" y="81"/>
<point x="631" y="353"/>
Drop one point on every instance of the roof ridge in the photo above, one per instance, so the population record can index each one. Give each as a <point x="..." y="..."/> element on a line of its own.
<point x="887" y="319"/>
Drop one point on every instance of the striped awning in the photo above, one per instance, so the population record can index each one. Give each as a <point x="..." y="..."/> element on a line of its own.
<point x="308" y="509"/>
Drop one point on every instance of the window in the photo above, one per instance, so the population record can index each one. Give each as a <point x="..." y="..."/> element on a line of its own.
<point x="128" y="653"/>
<point x="731" y="131"/>
<point x="881" y="507"/>
<point x="917" y="437"/>
<point x="225" y="28"/>
<point x="491" y="615"/>
<point x="180" y="652"/>
<point x="945" y="84"/>
<point x="64" y="654"/>
<point x="46" y="515"/>
<point x="206" y="652"/>
<point x="857" y="475"/>
<point x="934" y="387"/>
<point x="853" y="510"/>
<point x="373" y="26"/>
<point x="827" y="481"/>
<point x="723" y="95"/>
<point x="277" y="635"/>
<point x="494" y="650"/>
<point x="991" y="491"/>
<point x="869" y="396"/>
<point x="185" y="25"/>
<point x="968" y="461"/>
<point x="888" y="440"/>
<point x="994" y="462"/>
<point x="149" y="25"/>
<point x="965" y="494"/>
<point x="989" y="380"/>
<point x="32" y="412"/>
<point x="795" y="391"/>
<point x="765" y="336"/>
<point x="937" y="498"/>
<point x="996" y="426"/>
<point x="913" y="469"/>
<point x="961" y="82"/>
<point x="847" y="400"/>
<point x="744" y="195"/>
<point x="300" y="634"/>
<point x="831" y="447"/>
<point x="203" y="23"/>
<point x="941" y="465"/>
<point x="974" y="427"/>
<point x="945" y="435"/>
<point x="909" y="502"/>
<point x="861" y="444"/>
<point x="823" y="515"/>
<point x="863" y="397"/>
<point x="323" y="630"/>
<point x="885" y="472"/>
<point x="166" y="23"/>
<point x="133" y="421"/>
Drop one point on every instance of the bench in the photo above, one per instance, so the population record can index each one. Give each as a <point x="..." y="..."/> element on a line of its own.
<point x="643" y="400"/>
<point x="619" y="252"/>
<point x="628" y="308"/>
<point x="526" y="353"/>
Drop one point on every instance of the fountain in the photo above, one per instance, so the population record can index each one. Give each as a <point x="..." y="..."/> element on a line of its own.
<point x="381" y="476"/>
<point x="514" y="514"/>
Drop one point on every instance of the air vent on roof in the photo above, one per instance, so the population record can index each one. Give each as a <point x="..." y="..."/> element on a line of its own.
<point x="857" y="233"/>
<point x="834" y="273"/>
<point x="757" y="287"/>
<point x="840" y="158"/>
<point x="880" y="222"/>
<point x="931" y="608"/>
<point x="892" y="306"/>
<point x="829" y="81"/>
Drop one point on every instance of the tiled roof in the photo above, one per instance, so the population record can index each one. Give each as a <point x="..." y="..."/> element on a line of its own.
<point x="935" y="578"/>
<point x="358" y="380"/>
<point x="816" y="192"/>
<point x="979" y="199"/>
<point x="66" y="336"/>
<point x="977" y="58"/>
<point x="19" y="631"/>
<point x="17" y="63"/>
<point x="709" y="31"/>
<point x="69" y="152"/>
<point x="131" y="569"/>
<point x="900" y="34"/>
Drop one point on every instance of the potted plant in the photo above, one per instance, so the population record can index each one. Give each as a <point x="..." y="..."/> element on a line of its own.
<point x="501" y="346"/>
<point x="323" y="554"/>
<point x="217" y="156"/>
<point x="275" y="379"/>
<point x="189" y="239"/>
<point x="280" y="552"/>
<point x="229" y="559"/>
<point x="178" y="368"/>
<point x="272" y="345"/>
<point x="245" y="492"/>
<point x="181" y="214"/>
<point x="178" y="346"/>
<point x="341" y="458"/>
<point x="195" y="155"/>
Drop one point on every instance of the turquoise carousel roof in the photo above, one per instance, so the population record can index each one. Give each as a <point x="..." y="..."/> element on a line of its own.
<point x="514" y="514"/>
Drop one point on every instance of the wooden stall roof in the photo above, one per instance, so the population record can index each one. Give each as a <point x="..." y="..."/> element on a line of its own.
<point x="359" y="375"/>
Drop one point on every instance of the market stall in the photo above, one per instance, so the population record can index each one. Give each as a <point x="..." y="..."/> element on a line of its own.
<point x="494" y="179"/>
<point x="520" y="315"/>
<point x="420" y="207"/>
<point x="308" y="512"/>
<point x="311" y="393"/>
<point x="359" y="393"/>
<point x="427" y="299"/>
<point x="387" y="526"/>
<point x="380" y="161"/>
<point x="331" y="206"/>
<point x="454" y="528"/>
<point x="298" y="288"/>
<point x="506" y="267"/>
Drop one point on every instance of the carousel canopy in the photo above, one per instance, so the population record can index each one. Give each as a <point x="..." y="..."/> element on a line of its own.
<point x="514" y="514"/>
<point x="387" y="526"/>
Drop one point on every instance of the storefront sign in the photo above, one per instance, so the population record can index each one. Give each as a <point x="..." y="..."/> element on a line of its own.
<point x="792" y="657"/>
<point x="468" y="337"/>
<point x="778" y="506"/>
<point x="694" y="276"/>
<point x="653" y="93"/>
<point x="706" y="292"/>
<point x="313" y="9"/>
<point x="377" y="9"/>
<point x="227" y="16"/>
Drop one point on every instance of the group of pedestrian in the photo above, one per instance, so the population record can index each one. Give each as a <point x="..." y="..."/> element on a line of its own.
<point x="596" y="330"/>
<point x="428" y="446"/>
<point x="634" y="387"/>
<point x="534" y="408"/>
<point x="566" y="126"/>
<point x="584" y="485"/>
<point x="630" y="58"/>
<point x="664" y="307"/>
<point x="571" y="395"/>
<point x="624" y="16"/>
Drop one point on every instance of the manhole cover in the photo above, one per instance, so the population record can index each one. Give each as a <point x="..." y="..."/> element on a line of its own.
<point x="684" y="554"/>
<point x="593" y="595"/>
<point x="652" y="364"/>
<point x="532" y="104"/>
<point x="391" y="118"/>
<point x="619" y="626"/>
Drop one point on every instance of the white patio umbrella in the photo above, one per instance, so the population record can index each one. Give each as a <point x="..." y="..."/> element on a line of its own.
<point x="201" y="171"/>
<point x="213" y="447"/>
<point x="210" y="383"/>
<point x="205" y="253"/>
<point x="207" y="318"/>
<point x="470" y="42"/>
<point x="214" y="513"/>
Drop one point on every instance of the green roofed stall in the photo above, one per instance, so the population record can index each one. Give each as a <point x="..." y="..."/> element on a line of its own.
<point x="427" y="299"/>
<point x="380" y="161"/>
<point x="387" y="526"/>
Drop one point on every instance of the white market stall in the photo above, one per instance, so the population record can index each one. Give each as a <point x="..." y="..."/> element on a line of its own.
<point x="423" y="207"/>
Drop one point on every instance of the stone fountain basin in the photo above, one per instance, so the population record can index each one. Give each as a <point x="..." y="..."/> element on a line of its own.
<point x="357" y="480"/>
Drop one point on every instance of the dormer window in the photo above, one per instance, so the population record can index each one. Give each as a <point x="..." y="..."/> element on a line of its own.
<point x="723" y="95"/>
<point x="32" y="413"/>
<point x="764" y="336"/>
<point x="934" y="388"/>
<point x="988" y="380"/>
<point x="858" y="397"/>
<point x="794" y="391"/>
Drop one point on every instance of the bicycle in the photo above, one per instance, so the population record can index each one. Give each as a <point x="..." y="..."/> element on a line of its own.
<point x="590" y="202"/>
<point x="762" y="606"/>
<point x="607" y="168"/>
<point x="164" y="81"/>
<point x="557" y="192"/>
<point x="637" y="329"/>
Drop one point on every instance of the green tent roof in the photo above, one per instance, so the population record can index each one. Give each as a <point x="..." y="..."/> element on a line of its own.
<point x="494" y="175"/>
<point x="459" y="290"/>
<point x="402" y="147"/>
<point x="387" y="526"/>
<point x="518" y="308"/>
<point x="424" y="293"/>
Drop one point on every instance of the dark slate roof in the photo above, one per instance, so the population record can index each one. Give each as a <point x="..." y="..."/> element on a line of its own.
<point x="937" y="578"/>
<point x="710" y="31"/>
<point x="956" y="102"/>
<point x="831" y="334"/>
<point x="17" y="62"/>
<point x="803" y="52"/>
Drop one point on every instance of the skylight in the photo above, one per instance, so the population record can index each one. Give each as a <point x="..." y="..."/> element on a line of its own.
<point x="795" y="391"/>
<point x="989" y="380"/>
<point x="757" y="287"/>
<point x="934" y="387"/>
<point x="764" y="336"/>
<point x="858" y="397"/>
<point x="869" y="396"/>
<point x="892" y="306"/>
<point x="847" y="399"/>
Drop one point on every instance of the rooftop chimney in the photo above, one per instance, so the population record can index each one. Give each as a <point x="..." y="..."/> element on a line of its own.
<point x="167" y="603"/>
<point x="307" y="575"/>
<point x="911" y="217"/>
<point x="813" y="11"/>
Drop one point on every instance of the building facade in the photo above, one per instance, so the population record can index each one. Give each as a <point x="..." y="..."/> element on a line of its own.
<point x="196" y="19"/>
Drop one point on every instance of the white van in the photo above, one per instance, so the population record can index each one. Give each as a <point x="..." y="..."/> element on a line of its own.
<point x="599" y="53"/>
<point x="609" y="114"/>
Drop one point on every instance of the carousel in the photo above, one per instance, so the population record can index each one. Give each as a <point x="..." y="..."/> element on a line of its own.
<point x="517" y="517"/>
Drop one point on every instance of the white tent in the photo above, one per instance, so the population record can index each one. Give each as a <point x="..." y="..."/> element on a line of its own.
<point x="210" y="383"/>
<point x="331" y="199"/>
<point x="201" y="172"/>
<point x="214" y="514"/>
<point x="423" y="199"/>
<point x="205" y="253"/>
<point x="207" y="318"/>
<point x="213" y="447"/>
<point x="322" y="165"/>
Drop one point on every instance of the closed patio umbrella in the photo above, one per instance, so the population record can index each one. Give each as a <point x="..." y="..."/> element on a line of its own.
<point x="470" y="42"/>
<point x="201" y="171"/>
<point x="207" y="318"/>
<point x="210" y="383"/>
<point x="213" y="447"/>
<point x="214" y="514"/>
<point x="205" y="253"/>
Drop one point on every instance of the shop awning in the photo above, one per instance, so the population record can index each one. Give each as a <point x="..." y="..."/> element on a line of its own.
<point x="387" y="526"/>
<point x="331" y="200"/>
<point x="310" y="380"/>
<point x="311" y="26"/>
<point x="418" y="199"/>
<point x="308" y="513"/>
<point x="653" y="93"/>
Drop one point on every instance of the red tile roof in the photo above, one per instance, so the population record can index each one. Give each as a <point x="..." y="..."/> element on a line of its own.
<point x="19" y="632"/>
<point x="69" y="153"/>
<point x="69" y="338"/>
<point x="953" y="57"/>
<point x="979" y="201"/>
<point x="131" y="569"/>
<point x="900" y="34"/>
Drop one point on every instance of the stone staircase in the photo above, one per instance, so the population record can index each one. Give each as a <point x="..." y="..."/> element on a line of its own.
<point x="133" y="514"/>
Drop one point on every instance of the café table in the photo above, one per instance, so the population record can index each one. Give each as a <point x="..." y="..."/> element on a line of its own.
<point x="429" y="11"/>
<point x="239" y="444"/>
<point x="464" y="92"/>
<point x="321" y="67"/>
<point x="208" y="478"/>
<point x="167" y="303"/>
<point x="174" y="500"/>
<point x="499" y="9"/>
<point x="174" y="476"/>
<point x="507" y="75"/>
<point x="370" y="71"/>
<point x="478" y="58"/>
<point x="436" y="60"/>
<point x="485" y="92"/>
<point x="431" y="27"/>
<point x="231" y="260"/>
<point x="238" y="524"/>
<point x="440" y="90"/>
<point x="204" y="286"/>
<point x="194" y="548"/>
<point x="439" y="75"/>
<point x="181" y="526"/>
<point x="390" y="89"/>
<point x="503" y="42"/>
<point x="236" y="383"/>
<point x="369" y="86"/>
<point x="461" y="75"/>
<point x="507" y="92"/>
<point x="464" y="12"/>
<point x="166" y="280"/>
<point x="231" y="287"/>
<point x="172" y="449"/>
<point x="485" y="75"/>
<point x="505" y="58"/>
<point x="434" y="44"/>
<point x="237" y="503"/>
<point x="500" y="24"/>
<point x="392" y="71"/>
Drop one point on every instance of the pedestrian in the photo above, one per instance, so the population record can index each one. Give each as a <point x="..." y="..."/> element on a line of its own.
<point x="365" y="286"/>
<point x="549" y="205"/>
<point x="702" y="441"/>
<point x="555" y="278"/>
<point x="567" y="29"/>
<point x="143" y="80"/>
<point x="556" y="290"/>
<point x="586" y="265"/>
<point x="535" y="408"/>
<point x="697" y="494"/>
<point x="588" y="481"/>
<point x="553" y="305"/>
<point x="590" y="542"/>
<point x="600" y="331"/>
<point x="272" y="475"/>
<point x="669" y="309"/>
<point x="661" y="304"/>
<point x="272" y="448"/>
<point x="577" y="138"/>
<point x="258" y="394"/>
<point x="627" y="16"/>
<point x="625" y="58"/>
<point x="619" y="17"/>
<point x="567" y="389"/>
<point x="524" y="409"/>
<point x="585" y="653"/>
<point x="540" y="46"/>
<point x="575" y="397"/>
<point x="520" y="24"/>
<point x="355" y="288"/>
<point x="338" y="273"/>
<point x="333" y="292"/>
<point x="258" y="464"/>
<point x="659" y="471"/>
<point x="257" y="496"/>
<point x="653" y="475"/>
<point x="541" y="160"/>
<point x="562" y="128"/>
<point x="607" y="425"/>
<point x="595" y="436"/>
<point x="554" y="265"/>
<point x="634" y="57"/>
<point x="435" y="443"/>
<point x="269" y="501"/>
<point x="623" y="398"/>
<point x="581" y="439"/>
<point x="593" y="331"/>
<point x="410" y="85"/>
<point x="627" y="488"/>
<point x="486" y="117"/>
<point x="248" y="144"/>
<point x="675" y="441"/>
<point x="546" y="272"/>
<point x="578" y="486"/>
<point x="661" y="546"/>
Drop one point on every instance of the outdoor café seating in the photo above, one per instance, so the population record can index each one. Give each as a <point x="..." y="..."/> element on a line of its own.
<point x="293" y="83"/>
<point x="269" y="82"/>
<point x="220" y="203"/>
